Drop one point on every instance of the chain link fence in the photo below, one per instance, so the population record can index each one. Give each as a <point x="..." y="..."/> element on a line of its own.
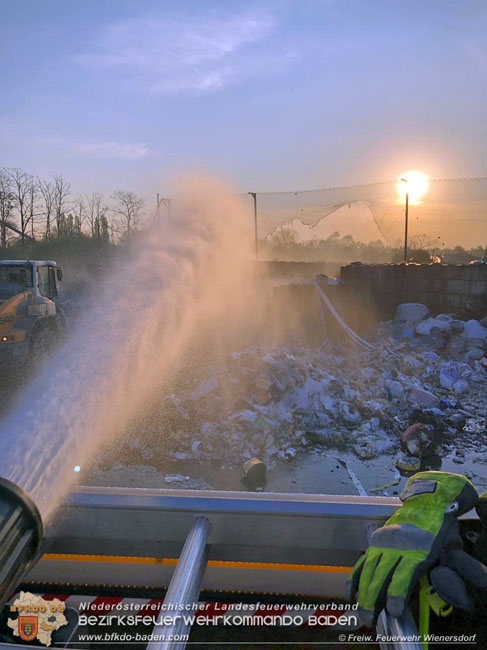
<point x="448" y="213"/>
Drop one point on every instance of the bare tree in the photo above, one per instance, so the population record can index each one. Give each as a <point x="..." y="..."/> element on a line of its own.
<point x="95" y="213"/>
<point x="62" y="190"/>
<point x="6" y="207"/>
<point x="104" y="229"/>
<point x="79" y="209"/>
<point x="127" y="207"/>
<point x="21" y="183"/>
<point x="422" y="242"/>
<point x="48" y="194"/>
<point x="284" y="236"/>
<point x="33" y="204"/>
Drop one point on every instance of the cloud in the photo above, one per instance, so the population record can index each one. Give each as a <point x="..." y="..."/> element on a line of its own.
<point x="190" y="53"/>
<point x="111" y="150"/>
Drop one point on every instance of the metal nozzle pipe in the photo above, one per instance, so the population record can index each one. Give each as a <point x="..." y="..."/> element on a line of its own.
<point x="184" y="588"/>
<point x="20" y="537"/>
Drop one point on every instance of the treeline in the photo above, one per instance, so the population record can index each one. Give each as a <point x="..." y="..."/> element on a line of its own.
<point x="283" y="245"/>
<point x="38" y="210"/>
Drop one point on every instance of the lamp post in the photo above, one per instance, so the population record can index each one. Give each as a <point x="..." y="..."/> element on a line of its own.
<point x="254" y="196"/>
<point x="406" y="215"/>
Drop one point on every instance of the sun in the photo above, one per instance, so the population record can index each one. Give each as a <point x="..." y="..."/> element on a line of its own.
<point x="414" y="182"/>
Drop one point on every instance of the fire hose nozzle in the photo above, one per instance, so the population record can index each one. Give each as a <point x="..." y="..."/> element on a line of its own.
<point x="20" y="537"/>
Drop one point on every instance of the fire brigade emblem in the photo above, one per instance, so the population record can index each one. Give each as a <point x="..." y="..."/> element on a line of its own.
<point x="28" y="627"/>
<point x="37" y="618"/>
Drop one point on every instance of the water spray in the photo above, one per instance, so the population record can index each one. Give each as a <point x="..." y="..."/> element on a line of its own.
<point x="180" y="293"/>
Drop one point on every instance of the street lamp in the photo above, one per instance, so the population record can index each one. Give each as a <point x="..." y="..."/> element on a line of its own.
<point x="406" y="215"/>
<point x="254" y="196"/>
<point x="412" y="184"/>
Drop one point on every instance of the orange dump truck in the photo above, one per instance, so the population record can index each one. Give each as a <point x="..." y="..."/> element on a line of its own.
<point x="30" y="319"/>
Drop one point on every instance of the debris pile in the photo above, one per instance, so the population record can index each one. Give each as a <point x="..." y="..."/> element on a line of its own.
<point x="418" y="392"/>
<point x="461" y="340"/>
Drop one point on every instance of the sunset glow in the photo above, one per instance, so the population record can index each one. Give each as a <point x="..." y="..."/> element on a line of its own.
<point x="414" y="182"/>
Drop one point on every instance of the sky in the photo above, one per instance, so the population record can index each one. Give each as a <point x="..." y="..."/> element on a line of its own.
<point x="267" y="95"/>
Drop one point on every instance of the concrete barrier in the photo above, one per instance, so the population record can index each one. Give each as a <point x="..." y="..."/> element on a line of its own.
<point x="368" y="293"/>
<point x="278" y="270"/>
<point x="444" y="288"/>
<point x="299" y="317"/>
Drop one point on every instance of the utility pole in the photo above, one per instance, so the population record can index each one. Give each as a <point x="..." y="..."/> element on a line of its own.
<point x="162" y="202"/>
<point x="254" y="196"/>
<point x="406" y="217"/>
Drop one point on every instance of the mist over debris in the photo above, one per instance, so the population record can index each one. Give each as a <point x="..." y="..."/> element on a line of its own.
<point x="184" y="290"/>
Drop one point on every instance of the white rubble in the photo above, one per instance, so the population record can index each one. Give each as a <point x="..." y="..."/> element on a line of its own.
<point x="274" y="402"/>
<point x="426" y="326"/>
<point x="410" y="314"/>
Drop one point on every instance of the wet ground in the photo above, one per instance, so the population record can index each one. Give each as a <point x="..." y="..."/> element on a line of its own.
<point x="312" y="471"/>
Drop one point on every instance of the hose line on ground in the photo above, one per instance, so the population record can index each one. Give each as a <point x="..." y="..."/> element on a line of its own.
<point x="353" y="335"/>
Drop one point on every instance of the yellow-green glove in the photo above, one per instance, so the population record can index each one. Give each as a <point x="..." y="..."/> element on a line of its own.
<point x="423" y="533"/>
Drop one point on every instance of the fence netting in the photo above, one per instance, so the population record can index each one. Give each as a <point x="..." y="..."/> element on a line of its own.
<point x="450" y="211"/>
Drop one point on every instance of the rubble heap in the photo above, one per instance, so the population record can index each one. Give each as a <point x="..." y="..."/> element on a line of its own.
<point x="270" y="403"/>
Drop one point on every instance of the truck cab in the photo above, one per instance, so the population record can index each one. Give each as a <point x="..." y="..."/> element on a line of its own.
<point x="30" y="319"/>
